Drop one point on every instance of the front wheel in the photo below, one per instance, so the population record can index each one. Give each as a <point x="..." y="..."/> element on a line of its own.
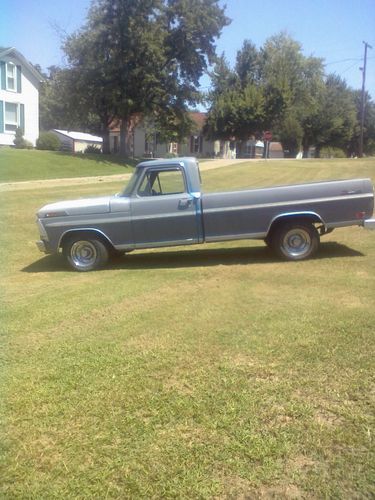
<point x="85" y="254"/>
<point x="295" y="241"/>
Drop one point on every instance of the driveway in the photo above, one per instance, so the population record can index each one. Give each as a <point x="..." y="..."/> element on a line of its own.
<point x="70" y="181"/>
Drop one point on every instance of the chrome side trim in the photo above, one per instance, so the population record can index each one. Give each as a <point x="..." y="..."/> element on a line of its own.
<point x="283" y="203"/>
<point x="107" y="220"/>
<point x="180" y="213"/>
<point x="242" y="236"/>
<point x="156" y="244"/>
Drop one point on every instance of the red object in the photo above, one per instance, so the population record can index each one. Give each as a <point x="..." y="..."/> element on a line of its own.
<point x="267" y="135"/>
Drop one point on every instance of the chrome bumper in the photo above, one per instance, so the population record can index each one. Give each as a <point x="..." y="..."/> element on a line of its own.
<point x="369" y="224"/>
<point x="42" y="246"/>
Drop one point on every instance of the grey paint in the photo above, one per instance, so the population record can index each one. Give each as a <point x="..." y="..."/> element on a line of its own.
<point x="132" y="220"/>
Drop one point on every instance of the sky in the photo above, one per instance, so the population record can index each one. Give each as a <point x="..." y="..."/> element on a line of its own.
<point x="330" y="29"/>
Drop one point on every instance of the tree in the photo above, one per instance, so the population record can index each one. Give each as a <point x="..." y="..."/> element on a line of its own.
<point x="237" y="100"/>
<point x="335" y="123"/>
<point x="369" y="125"/>
<point x="248" y="64"/>
<point x="294" y="85"/>
<point x="236" y="113"/>
<point x="276" y="87"/>
<point x="142" y="56"/>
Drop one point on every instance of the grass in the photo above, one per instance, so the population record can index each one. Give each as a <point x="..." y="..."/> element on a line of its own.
<point x="204" y="372"/>
<point x="24" y="165"/>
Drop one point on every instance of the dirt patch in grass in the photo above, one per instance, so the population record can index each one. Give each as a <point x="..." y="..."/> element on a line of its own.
<point x="289" y="491"/>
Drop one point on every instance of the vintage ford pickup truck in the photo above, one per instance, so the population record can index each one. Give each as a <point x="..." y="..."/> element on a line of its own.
<point x="163" y="205"/>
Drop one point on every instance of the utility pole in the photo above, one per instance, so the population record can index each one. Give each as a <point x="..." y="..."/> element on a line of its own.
<point x="363" y="98"/>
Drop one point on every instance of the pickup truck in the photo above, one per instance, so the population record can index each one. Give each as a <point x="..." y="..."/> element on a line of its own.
<point x="163" y="205"/>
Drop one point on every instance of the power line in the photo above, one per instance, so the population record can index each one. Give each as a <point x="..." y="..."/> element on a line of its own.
<point x="343" y="60"/>
<point x="367" y="45"/>
<point x="350" y="67"/>
<point x="357" y="59"/>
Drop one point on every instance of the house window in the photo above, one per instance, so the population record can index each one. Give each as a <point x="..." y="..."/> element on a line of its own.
<point x="196" y="143"/>
<point x="150" y="145"/>
<point x="11" y="75"/>
<point x="11" y="117"/>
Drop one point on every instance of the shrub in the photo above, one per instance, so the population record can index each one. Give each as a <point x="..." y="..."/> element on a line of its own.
<point x="48" y="141"/>
<point x="91" y="148"/>
<point x="19" y="141"/>
<point x="332" y="152"/>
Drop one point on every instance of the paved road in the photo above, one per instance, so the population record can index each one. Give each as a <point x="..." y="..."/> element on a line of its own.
<point x="45" y="183"/>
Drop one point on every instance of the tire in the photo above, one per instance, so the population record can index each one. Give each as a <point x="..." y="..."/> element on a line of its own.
<point x="85" y="254"/>
<point x="295" y="241"/>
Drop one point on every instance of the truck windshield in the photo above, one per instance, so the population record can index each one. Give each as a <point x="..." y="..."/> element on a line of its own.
<point x="129" y="188"/>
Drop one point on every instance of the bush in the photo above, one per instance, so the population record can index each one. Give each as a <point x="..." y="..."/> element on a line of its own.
<point x="48" y="141"/>
<point x="19" y="142"/>
<point x="91" y="148"/>
<point x="331" y="152"/>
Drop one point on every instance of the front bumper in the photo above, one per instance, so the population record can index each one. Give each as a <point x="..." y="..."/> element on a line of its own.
<point x="43" y="246"/>
<point x="369" y="224"/>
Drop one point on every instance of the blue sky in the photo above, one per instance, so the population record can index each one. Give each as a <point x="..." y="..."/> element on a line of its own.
<point x="330" y="29"/>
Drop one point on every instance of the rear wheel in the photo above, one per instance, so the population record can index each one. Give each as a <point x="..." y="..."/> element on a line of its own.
<point x="85" y="254"/>
<point x="295" y="241"/>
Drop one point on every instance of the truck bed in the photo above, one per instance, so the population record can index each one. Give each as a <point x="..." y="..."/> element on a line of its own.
<point x="250" y="213"/>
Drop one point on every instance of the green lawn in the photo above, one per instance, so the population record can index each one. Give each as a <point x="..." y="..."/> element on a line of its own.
<point x="24" y="165"/>
<point x="205" y="372"/>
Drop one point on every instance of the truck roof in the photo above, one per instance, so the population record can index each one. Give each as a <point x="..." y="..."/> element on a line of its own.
<point x="189" y="164"/>
<point x="183" y="161"/>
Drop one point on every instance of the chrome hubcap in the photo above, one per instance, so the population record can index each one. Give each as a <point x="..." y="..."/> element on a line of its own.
<point x="296" y="243"/>
<point x="83" y="254"/>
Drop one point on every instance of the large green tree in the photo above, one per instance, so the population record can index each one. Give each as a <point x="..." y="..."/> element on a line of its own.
<point x="369" y="125"/>
<point x="61" y="106"/>
<point x="142" y="57"/>
<point x="276" y="87"/>
<point x="294" y="83"/>
<point x="237" y="100"/>
<point x="335" y="121"/>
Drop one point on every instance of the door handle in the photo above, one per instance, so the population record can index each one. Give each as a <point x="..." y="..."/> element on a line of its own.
<point x="183" y="204"/>
<point x="353" y="191"/>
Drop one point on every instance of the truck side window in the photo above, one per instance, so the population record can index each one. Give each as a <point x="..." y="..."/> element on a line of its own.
<point x="162" y="182"/>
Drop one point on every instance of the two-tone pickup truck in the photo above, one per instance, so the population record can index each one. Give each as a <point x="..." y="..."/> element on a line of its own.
<point x="163" y="205"/>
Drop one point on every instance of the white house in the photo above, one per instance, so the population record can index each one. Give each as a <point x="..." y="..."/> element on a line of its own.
<point x="19" y="97"/>
<point x="77" y="142"/>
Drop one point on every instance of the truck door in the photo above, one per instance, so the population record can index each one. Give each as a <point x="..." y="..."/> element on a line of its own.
<point x="163" y="212"/>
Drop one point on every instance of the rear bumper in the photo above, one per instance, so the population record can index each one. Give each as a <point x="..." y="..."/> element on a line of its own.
<point x="369" y="224"/>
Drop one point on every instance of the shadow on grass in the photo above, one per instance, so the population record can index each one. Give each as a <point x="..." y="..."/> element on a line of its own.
<point x="193" y="258"/>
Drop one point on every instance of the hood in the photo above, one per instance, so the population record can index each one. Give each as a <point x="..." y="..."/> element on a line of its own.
<point x="76" y="207"/>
